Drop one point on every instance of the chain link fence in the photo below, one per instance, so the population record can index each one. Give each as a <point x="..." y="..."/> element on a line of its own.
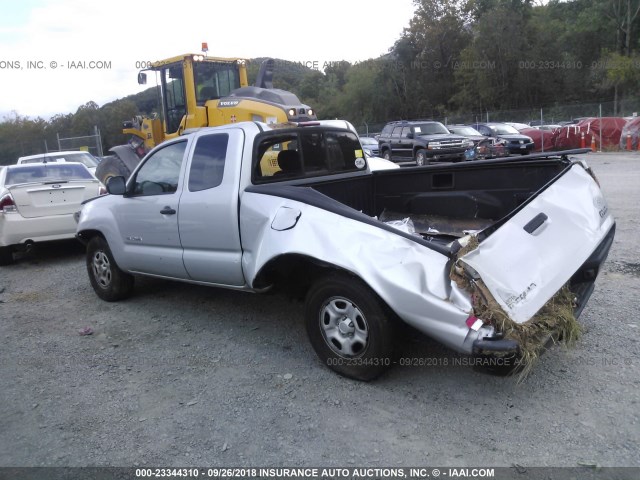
<point x="88" y="143"/>
<point x="10" y="151"/>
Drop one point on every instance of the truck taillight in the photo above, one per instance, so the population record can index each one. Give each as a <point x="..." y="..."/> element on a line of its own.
<point x="7" y="204"/>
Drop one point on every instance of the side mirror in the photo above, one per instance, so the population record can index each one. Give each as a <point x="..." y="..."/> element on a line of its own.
<point x="142" y="78"/>
<point x="116" y="185"/>
<point x="409" y="135"/>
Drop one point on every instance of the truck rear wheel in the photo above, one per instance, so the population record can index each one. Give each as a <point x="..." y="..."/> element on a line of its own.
<point x="348" y="327"/>
<point x="109" y="282"/>
<point x="111" y="166"/>
<point x="386" y="154"/>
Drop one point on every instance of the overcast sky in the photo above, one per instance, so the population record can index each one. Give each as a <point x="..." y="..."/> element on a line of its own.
<point x="42" y="42"/>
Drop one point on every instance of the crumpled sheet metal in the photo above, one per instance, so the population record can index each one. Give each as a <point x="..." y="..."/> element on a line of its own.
<point x="522" y="270"/>
<point x="411" y="278"/>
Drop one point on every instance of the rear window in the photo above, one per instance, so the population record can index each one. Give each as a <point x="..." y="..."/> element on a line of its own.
<point x="46" y="172"/>
<point x="307" y="153"/>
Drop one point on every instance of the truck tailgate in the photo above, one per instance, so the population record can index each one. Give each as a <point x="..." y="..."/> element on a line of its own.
<point x="529" y="258"/>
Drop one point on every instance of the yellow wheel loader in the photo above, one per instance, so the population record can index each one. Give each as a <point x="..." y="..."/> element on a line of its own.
<point x="199" y="91"/>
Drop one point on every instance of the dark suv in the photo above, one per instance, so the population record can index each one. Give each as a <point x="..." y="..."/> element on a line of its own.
<point x="421" y="141"/>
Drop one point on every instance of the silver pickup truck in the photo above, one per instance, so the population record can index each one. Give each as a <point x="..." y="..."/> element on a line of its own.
<point x="251" y="206"/>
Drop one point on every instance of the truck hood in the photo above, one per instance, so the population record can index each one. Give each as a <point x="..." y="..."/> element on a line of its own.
<point x="444" y="136"/>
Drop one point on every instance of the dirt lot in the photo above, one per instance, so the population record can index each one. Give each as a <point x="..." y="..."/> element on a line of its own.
<point x="181" y="375"/>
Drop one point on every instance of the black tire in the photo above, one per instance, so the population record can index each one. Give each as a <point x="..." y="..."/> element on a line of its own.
<point x="108" y="281"/>
<point x="386" y="154"/>
<point x="111" y="166"/>
<point x="348" y="327"/>
<point x="421" y="157"/>
<point x="6" y="255"/>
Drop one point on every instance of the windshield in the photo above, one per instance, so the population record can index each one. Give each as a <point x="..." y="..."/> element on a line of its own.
<point x="368" y="141"/>
<point x="46" y="172"/>
<point x="432" y="128"/>
<point x="464" y="131"/>
<point x="215" y="79"/>
<point x="503" y="129"/>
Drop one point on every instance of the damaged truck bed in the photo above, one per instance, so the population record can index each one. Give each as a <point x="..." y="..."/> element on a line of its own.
<point x="491" y="258"/>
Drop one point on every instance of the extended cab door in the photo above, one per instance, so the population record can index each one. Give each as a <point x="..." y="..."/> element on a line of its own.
<point x="208" y="219"/>
<point x="148" y="218"/>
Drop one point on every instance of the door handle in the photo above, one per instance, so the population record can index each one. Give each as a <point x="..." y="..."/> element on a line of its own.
<point x="167" y="211"/>
<point x="535" y="223"/>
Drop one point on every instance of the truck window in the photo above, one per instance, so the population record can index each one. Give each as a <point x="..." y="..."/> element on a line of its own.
<point x="207" y="164"/>
<point x="386" y="131"/>
<point x="307" y="154"/>
<point x="160" y="173"/>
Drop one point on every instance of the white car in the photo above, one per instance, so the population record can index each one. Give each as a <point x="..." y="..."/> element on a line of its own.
<point x="377" y="163"/>
<point x="85" y="158"/>
<point x="37" y="203"/>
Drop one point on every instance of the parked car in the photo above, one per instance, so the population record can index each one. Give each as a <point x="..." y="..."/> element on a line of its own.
<point x="516" y="142"/>
<point x="85" y="158"/>
<point x="370" y="146"/>
<point x="377" y="163"/>
<point x="518" y="126"/>
<point x="484" y="147"/>
<point x="549" y="127"/>
<point x="201" y="209"/>
<point x="37" y="203"/>
<point x="421" y="141"/>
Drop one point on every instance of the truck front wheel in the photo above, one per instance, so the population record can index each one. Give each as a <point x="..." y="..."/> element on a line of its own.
<point x="348" y="327"/>
<point x="109" y="282"/>
<point x="421" y="158"/>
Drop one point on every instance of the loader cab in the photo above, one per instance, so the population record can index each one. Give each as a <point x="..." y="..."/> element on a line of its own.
<point x="214" y="80"/>
<point x="188" y="82"/>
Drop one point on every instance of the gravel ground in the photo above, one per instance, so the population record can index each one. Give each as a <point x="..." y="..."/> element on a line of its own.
<point x="181" y="375"/>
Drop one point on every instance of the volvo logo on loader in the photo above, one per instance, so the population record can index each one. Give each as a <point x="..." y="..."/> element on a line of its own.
<point x="228" y="103"/>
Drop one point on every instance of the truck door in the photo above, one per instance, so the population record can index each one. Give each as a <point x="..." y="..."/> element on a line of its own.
<point x="208" y="220"/>
<point x="148" y="219"/>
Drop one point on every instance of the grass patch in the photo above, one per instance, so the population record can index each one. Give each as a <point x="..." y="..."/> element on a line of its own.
<point x="555" y="322"/>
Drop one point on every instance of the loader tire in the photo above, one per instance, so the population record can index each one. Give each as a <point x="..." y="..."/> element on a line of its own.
<point x="112" y="166"/>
